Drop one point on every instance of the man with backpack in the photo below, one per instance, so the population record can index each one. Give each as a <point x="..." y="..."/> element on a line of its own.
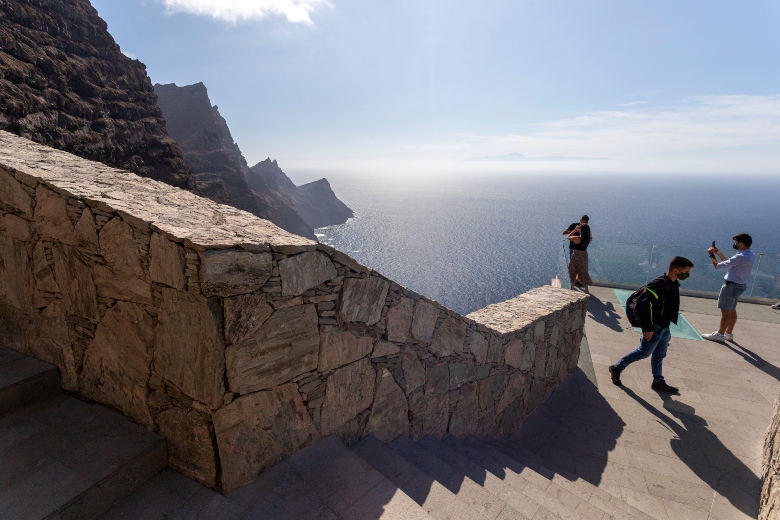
<point x="655" y="307"/>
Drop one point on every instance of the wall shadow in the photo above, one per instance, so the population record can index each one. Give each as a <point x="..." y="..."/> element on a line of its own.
<point x="704" y="453"/>
<point x="604" y="313"/>
<point x="574" y="431"/>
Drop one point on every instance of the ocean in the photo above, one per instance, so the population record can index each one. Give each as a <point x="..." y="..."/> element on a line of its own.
<point x="467" y="241"/>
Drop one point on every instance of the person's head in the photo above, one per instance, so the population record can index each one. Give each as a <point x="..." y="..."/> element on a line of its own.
<point x="679" y="268"/>
<point x="584" y="219"/>
<point x="742" y="241"/>
<point x="584" y="233"/>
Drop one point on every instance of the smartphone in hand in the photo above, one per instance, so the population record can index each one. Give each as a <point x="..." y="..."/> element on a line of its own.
<point x="713" y="243"/>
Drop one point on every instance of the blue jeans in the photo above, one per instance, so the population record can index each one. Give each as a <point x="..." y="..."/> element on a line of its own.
<point x="656" y="347"/>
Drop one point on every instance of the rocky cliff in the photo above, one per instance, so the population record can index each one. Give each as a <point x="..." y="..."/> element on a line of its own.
<point x="222" y="174"/>
<point x="65" y="83"/>
<point x="315" y="202"/>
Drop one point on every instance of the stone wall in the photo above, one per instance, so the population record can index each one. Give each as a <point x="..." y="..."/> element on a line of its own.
<point x="770" y="474"/>
<point x="242" y="343"/>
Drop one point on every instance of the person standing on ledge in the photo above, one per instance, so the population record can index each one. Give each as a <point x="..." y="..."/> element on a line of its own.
<point x="578" y="264"/>
<point x="658" y="306"/>
<point x="735" y="282"/>
<point x="583" y="220"/>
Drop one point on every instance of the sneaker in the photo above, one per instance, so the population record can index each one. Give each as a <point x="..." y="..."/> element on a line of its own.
<point x="661" y="386"/>
<point x="729" y="337"/>
<point x="614" y="372"/>
<point x="776" y="306"/>
<point x="715" y="336"/>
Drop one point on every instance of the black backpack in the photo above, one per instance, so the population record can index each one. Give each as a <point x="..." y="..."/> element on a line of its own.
<point x="632" y="312"/>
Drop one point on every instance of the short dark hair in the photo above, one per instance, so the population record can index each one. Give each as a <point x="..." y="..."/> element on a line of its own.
<point x="680" y="262"/>
<point x="744" y="238"/>
<point x="585" y="218"/>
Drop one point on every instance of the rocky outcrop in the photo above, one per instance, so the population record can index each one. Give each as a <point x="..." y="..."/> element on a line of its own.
<point x="240" y="342"/>
<point x="770" y="471"/>
<point x="315" y="201"/>
<point x="222" y="173"/>
<point x="65" y="83"/>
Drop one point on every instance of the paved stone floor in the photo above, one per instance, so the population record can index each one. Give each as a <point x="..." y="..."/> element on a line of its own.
<point x="696" y="455"/>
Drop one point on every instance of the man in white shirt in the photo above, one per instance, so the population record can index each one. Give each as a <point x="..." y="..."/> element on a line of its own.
<point x="735" y="282"/>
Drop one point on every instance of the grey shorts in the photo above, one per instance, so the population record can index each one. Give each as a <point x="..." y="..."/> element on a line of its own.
<point x="729" y="294"/>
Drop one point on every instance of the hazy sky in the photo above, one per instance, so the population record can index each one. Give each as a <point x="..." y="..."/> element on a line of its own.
<point x="620" y="85"/>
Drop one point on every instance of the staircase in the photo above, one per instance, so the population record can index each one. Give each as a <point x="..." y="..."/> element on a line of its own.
<point x="61" y="457"/>
<point x="66" y="459"/>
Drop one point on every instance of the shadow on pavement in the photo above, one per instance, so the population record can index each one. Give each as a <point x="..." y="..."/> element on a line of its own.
<point x="701" y="450"/>
<point x="755" y="360"/>
<point x="604" y="313"/>
<point x="574" y="430"/>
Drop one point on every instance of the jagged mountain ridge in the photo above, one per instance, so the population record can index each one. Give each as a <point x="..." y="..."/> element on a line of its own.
<point x="64" y="82"/>
<point x="221" y="170"/>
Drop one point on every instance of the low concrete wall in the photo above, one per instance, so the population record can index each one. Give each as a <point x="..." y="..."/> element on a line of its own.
<point x="242" y="343"/>
<point x="770" y="474"/>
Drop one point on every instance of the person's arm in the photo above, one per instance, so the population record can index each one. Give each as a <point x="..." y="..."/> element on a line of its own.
<point x="726" y="263"/>
<point x="574" y="237"/>
<point x="569" y="229"/>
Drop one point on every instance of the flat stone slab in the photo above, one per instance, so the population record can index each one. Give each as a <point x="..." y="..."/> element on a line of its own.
<point x="72" y="458"/>
<point x="25" y="381"/>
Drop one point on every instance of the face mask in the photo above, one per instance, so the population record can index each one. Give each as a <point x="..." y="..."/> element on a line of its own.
<point x="683" y="276"/>
<point x="735" y="246"/>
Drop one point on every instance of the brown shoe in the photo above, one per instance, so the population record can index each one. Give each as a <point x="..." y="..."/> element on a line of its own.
<point x="614" y="372"/>
<point x="661" y="386"/>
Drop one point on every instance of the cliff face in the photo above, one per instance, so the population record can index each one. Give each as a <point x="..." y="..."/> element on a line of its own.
<point x="65" y="83"/>
<point x="221" y="171"/>
<point x="216" y="161"/>
<point x="315" y="202"/>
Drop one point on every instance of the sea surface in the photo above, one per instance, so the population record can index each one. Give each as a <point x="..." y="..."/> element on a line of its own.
<point x="471" y="240"/>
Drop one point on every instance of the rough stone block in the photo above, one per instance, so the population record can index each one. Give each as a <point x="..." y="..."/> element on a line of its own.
<point x="12" y="194"/>
<point x="47" y="338"/>
<point x="74" y="278"/>
<point x="448" y="338"/>
<point x="424" y="322"/>
<point x="304" y="271"/>
<point x="15" y="227"/>
<point x="437" y="403"/>
<point x="256" y="431"/>
<point x="191" y="449"/>
<point x="339" y="347"/>
<point x="414" y="372"/>
<point x="399" y="320"/>
<point x="244" y="315"/>
<point x="120" y="286"/>
<point x="513" y="353"/>
<point x="285" y="346"/>
<point x="478" y="346"/>
<point x="363" y="299"/>
<point x="17" y="285"/>
<point x="116" y="363"/>
<point x="349" y="391"/>
<point x="465" y="417"/>
<point x="389" y="416"/>
<point x="230" y="272"/>
<point x="385" y="349"/>
<point x="188" y="351"/>
<point x="166" y="262"/>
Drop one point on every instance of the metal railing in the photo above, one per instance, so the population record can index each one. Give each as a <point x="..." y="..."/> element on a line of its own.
<point x="625" y="264"/>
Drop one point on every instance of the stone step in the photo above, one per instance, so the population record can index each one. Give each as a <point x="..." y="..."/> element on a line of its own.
<point x="530" y="483"/>
<point x="326" y="481"/>
<point x="437" y="500"/>
<point x="492" y="499"/>
<point x="615" y="506"/>
<point x="68" y="459"/>
<point x="25" y="381"/>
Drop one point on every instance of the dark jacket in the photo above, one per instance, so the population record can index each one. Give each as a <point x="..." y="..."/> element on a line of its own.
<point x="659" y="303"/>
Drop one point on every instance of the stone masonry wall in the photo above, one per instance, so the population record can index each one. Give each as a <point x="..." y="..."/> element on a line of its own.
<point x="770" y="474"/>
<point x="242" y="343"/>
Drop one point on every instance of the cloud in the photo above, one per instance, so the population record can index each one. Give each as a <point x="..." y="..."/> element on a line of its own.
<point x="739" y="132"/>
<point x="130" y="55"/>
<point x="234" y="11"/>
<point x="632" y="103"/>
